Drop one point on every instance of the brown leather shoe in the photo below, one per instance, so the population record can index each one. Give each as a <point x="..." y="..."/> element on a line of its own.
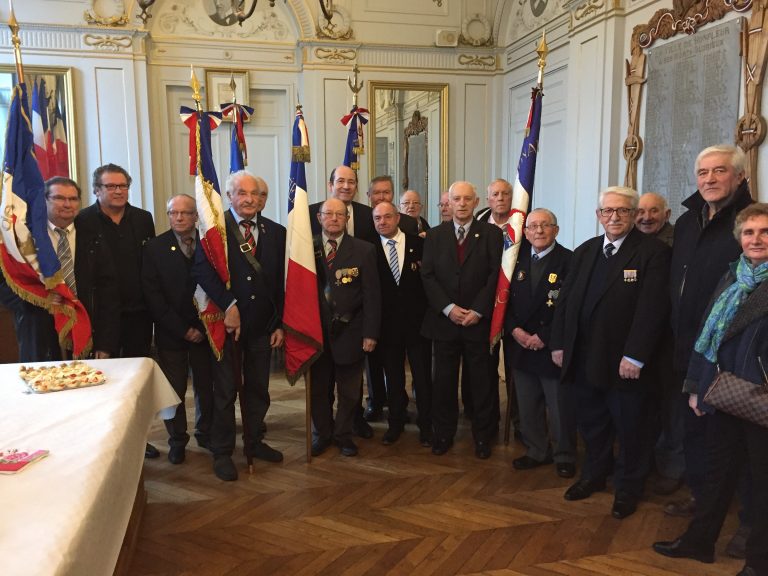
<point x="681" y="508"/>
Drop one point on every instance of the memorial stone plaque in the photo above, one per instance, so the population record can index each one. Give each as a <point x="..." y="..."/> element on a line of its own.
<point x="692" y="102"/>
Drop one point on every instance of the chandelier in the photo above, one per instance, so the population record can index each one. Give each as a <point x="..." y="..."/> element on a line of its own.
<point x="326" y="6"/>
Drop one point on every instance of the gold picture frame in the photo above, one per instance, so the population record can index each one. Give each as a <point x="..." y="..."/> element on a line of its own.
<point x="218" y="91"/>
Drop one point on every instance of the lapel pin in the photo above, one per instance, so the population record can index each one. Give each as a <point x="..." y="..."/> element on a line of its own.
<point x="173" y="247"/>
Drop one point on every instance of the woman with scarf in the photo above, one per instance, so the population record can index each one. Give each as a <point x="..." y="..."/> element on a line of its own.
<point x="734" y="339"/>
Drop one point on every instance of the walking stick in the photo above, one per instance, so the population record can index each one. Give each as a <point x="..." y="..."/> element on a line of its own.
<point x="308" y="422"/>
<point x="237" y="368"/>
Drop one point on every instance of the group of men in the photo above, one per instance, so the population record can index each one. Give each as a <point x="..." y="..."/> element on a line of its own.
<point x="587" y="337"/>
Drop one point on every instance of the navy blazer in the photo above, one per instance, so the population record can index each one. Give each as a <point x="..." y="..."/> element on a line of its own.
<point x="629" y="317"/>
<point x="260" y="295"/>
<point x="532" y="308"/>
<point x="471" y="285"/>
<point x="169" y="290"/>
<point x="352" y="309"/>
<point x="402" y="305"/>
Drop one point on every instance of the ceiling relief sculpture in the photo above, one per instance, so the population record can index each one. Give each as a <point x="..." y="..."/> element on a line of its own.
<point x="532" y="14"/>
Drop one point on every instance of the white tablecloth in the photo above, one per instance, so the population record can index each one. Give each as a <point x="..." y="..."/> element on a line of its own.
<point x="68" y="513"/>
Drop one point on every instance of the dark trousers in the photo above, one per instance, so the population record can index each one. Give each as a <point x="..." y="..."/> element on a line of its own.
<point x="669" y="452"/>
<point x="256" y="355"/>
<point x="36" y="334"/>
<point x="445" y="407"/>
<point x="732" y="443"/>
<point x="604" y="415"/>
<point x="695" y="449"/>
<point x="346" y="378"/>
<point x="374" y="377"/>
<point x="135" y="334"/>
<point x="419" y="351"/>
<point x="176" y="365"/>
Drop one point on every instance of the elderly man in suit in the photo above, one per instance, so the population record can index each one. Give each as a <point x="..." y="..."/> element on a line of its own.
<point x="541" y="269"/>
<point x="460" y="270"/>
<point x="92" y="278"/>
<point x="350" y="312"/>
<point x="652" y="217"/>
<point x="403" y="303"/>
<point x="446" y="211"/>
<point x="253" y="306"/>
<point x="611" y="315"/>
<point x="169" y="289"/>
<point x="410" y="205"/>
<point x="342" y="185"/>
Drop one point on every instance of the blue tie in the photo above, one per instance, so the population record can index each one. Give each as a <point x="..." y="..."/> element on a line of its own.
<point x="394" y="265"/>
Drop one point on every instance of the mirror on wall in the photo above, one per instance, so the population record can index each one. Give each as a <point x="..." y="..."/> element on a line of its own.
<point x="409" y="139"/>
<point x="51" y="108"/>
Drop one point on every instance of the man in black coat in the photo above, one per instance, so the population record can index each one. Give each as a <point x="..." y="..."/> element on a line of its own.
<point x="411" y="206"/>
<point x="94" y="279"/>
<point x="542" y="267"/>
<point x="460" y="270"/>
<point x="180" y="338"/>
<point x="350" y="311"/>
<point x="253" y="313"/>
<point x="342" y="185"/>
<point x="403" y="304"/>
<point x="607" y="326"/>
<point x="703" y="248"/>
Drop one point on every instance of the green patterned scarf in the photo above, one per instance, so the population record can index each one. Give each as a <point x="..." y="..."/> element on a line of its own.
<point x="726" y="306"/>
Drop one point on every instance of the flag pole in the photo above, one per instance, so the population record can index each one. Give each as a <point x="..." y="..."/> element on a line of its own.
<point x="14" y="26"/>
<point x="542" y="50"/>
<point x="308" y="413"/>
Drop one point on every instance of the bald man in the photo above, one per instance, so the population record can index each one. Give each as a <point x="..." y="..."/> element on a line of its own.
<point x="652" y="217"/>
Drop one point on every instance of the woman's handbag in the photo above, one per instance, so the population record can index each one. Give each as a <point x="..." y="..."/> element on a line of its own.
<point x="739" y="397"/>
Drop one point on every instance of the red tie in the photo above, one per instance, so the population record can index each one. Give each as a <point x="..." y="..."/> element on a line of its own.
<point x="331" y="253"/>
<point x="247" y="235"/>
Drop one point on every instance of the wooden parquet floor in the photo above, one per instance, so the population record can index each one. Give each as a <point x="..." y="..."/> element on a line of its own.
<point x="394" y="510"/>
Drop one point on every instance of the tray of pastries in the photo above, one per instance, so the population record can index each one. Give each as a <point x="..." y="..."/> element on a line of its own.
<point x="64" y="376"/>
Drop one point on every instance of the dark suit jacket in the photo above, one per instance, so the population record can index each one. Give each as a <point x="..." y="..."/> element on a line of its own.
<point x="169" y="291"/>
<point x="408" y="224"/>
<point x="628" y="319"/>
<point x="532" y="308"/>
<point x="471" y="285"/>
<point x="362" y="214"/>
<point x="260" y="295"/>
<point x="402" y="305"/>
<point x="352" y="310"/>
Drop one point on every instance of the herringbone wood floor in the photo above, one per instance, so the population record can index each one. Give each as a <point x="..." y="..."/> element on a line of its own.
<point x="392" y="510"/>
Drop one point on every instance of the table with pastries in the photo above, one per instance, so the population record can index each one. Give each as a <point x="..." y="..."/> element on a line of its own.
<point x="69" y="512"/>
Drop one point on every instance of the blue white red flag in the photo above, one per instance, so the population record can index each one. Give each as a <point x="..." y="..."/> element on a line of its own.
<point x="522" y="191"/>
<point x="356" y="119"/>
<point x="40" y="128"/>
<point x="301" y="317"/>
<point x="60" y="144"/>
<point x="211" y="225"/>
<point x="27" y="256"/>
<point x="238" y="152"/>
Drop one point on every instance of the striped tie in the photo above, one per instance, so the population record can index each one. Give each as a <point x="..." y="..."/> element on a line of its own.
<point x="332" y="244"/>
<point x="394" y="265"/>
<point x="65" y="259"/>
<point x="609" y="248"/>
<point x="461" y="234"/>
<point x="248" y="236"/>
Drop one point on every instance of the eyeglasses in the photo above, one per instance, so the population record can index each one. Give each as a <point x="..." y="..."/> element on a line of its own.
<point x="334" y="214"/>
<point x="608" y="212"/>
<point x="410" y="203"/>
<point x="443" y="204"/>
<point x="186" y="213"/>
<point x="113" y="187"/>
<point x="543" y="226"/>
<point x="64" y="199"/>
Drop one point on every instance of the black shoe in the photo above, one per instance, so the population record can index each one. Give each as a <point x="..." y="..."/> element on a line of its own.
<point x="441" y="445"/>
<point x="425" y="439"/>
<point x="678" y="549"/>
<point x="528" y="463"/>
<point x="566" y="469"/>
<point x="584" y="489"/>
<point x="224" y="468"/>
<point x="151" y="452"/>
<point x="263" y="451"/>
<point x="347" y="448"/>
<point x="176" y="454"/>
<point x="623" y="505"/>
<point x="483" y="450"/>
<point x="319" y="446"/>
<point x="391" y="436"/>
<point x="373" y="414"/>
<point x="362" y="429"/>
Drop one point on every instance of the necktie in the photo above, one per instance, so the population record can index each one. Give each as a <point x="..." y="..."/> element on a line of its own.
<point x="248" y="237"/>
<point x="535" y="258"/>
<point x="64" y="254"/>
<point x="609" y="248"/>
<point x="461" y="234"/>
<point x="394" y="264"/>
<point x="188" y="249"/>
<point x="331" y="253"/>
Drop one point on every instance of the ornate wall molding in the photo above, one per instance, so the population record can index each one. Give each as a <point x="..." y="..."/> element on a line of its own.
<point x="470" y="60"/>
<point x="476" y="31"/>
<point x="105" y="42"/>
<point x="589" y="8"/>
<point x="336" y="55"/>
<point x="339" y="28"/>
<point x="111" y="13"/>
<point x="80" y="40"/>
